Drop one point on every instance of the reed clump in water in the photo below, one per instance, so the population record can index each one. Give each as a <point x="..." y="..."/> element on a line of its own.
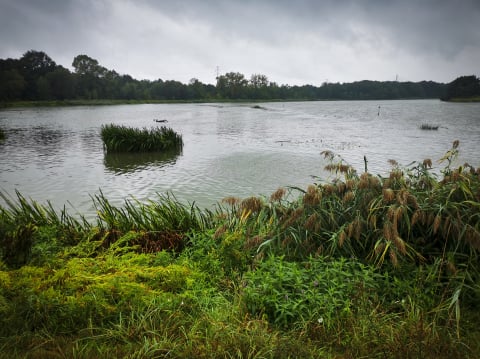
<point x="2" y="134"/>
<point x="126" y="139"/>
<point x="428" y="126"/>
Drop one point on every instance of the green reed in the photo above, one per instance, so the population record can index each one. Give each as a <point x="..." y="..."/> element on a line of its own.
<point x="126" y="139"/>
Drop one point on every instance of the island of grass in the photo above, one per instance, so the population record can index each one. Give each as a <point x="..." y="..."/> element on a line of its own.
<point x="118" y="138"/>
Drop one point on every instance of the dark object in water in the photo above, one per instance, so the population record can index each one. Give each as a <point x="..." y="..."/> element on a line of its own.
<point x="427" y="126"/>
<point x="161" y="121"/>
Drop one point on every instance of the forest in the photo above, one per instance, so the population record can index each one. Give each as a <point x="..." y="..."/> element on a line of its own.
<point x="37" y="77"/>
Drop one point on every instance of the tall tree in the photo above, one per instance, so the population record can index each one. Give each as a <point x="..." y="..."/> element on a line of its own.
<point x="34" y="65"/>
<point x="232" y="85"/>
<point x="463" y="87"/>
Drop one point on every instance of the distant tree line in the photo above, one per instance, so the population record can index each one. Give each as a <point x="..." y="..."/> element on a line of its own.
<point x="463" y="87"/>
<point x="35" y="76"/>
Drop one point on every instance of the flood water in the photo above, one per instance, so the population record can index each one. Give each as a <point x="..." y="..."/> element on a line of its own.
<point x="56" y="154"/>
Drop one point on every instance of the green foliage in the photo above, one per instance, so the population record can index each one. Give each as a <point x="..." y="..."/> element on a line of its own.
<point x="29" y="230"/>
<point x="463" y="87"/>
<point x="318" y="290"/>
<point x="124" y="139"/>
<point x="89" y="292"/>
<point x="36" y="77"/>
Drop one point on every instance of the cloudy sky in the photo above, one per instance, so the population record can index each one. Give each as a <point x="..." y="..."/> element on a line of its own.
<point x="293" y="42"/>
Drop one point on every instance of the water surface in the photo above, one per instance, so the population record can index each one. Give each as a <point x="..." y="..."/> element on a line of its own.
<point x="56" y="154"/>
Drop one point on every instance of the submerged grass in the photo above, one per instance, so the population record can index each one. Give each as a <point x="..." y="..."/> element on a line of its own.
<point x="361" y="266"/>
<point x="126" y="139"/>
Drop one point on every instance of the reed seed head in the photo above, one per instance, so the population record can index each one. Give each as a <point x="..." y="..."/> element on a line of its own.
<point x="329" y="189"/>
<point x="399" y="213"/>
<point x="388" y="232"/>
<point x="412" y="201"/>
<point x="313" y="196"/>
<point x="253" y="204"/>
<point x="455" y="144"/>
<point x="253" y="242"/>
<point x="311" y="222"/>
<point x="350" y="184"/>
<point x="436" y="223"/>
<point x="416" y="217"/>
<point x="350" y="228"/>
<point x="220" y="231"/>
<point x="341" y="238"/>
<point x="348" y="197"/>
<point x="327" y="154"/>
<point x="379" y="248"/>
<point x="388" y="195"/>
<point x="402" y="196"/>
<point x="393" y="163"/>
<point x="472" y="237"/>
<point x="341" y="187"/>
<point x="278" y="195"/>
<point x="357" y="228"/>
<point x="396" y="174"/>
<point x="232" y="201"/>
<point x="393" y="257"/>
<point x="391" y="213"/>
<point x="427" y="163"/>
<point x="400" y="245"/>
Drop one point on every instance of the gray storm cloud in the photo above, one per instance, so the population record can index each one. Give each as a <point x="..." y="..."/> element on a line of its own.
<point x="297" y="42"/>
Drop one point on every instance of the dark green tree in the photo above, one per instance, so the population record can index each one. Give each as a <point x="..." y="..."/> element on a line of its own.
<point x="232" y="85"/>
<point x="12" y="85"/>
<point x="463" y="87"/>
<point x="33" y="66"/>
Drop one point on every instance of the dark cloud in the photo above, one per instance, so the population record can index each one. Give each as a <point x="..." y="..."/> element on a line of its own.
<point x="302" y="41"/>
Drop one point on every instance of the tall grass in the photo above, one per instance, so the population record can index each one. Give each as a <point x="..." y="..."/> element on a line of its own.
<point x="125" y="139"/>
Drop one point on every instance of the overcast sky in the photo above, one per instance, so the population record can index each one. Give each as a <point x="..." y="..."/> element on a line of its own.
<point x="293" y="42"/>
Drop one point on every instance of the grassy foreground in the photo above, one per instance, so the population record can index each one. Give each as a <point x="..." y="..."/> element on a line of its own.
<point x="363" y="266"/>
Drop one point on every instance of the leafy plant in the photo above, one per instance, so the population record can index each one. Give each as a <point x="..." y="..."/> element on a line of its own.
<point x="318" y="290"/>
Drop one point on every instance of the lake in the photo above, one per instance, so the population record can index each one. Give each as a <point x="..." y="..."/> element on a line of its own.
<point x="56" y="154"/>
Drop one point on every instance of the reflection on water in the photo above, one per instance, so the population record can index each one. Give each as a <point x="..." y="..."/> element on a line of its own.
<point x="125" y="162"/>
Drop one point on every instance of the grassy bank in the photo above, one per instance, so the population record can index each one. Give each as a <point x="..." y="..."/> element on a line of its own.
<point x="363" y="266"/>
<point x="465" y="99"/>
<point x="106" y="102"/>
<point x="100" y="102"/>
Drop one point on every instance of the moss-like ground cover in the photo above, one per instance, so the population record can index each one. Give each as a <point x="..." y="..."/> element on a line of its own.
<point x="362" y="266"/>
